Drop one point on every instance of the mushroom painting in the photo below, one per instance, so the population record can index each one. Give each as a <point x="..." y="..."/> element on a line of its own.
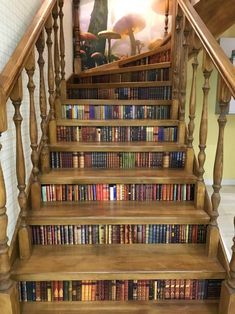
<point x="98" y="58"/>
<point x="129" y="25"/>
<point x="108" y="34"/>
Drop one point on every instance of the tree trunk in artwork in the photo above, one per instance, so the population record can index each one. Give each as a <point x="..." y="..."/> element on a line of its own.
<point x="98" y="23"/>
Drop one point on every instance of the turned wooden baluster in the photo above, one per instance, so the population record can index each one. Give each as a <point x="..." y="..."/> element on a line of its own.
<point x="183" y="67"/>
<point x="207" y="68"/>
<point x="76" y="32"/>
<point x="167" y="11"/>
<point x="8" y="291"/>
<point x="44" y="157"/>
<point x="24" y="232"/>
<point x="224" y="100"/>
<point x="50" y="77"/>
<point x="213" y="232"/>
<point x="55" y="15"/>
<point x="176" y="67"/>
<point x="33" y="131"/>
<point x="193" y="92"/>
<point x="62" y="51"/>
<point x="5" y="280"/>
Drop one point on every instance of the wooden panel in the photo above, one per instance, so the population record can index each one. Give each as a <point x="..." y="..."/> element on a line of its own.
<point x="121" y="84"/>
<point x="118" y="213"/>
<point x="106" y="307"/>
<point x="116" y="147"/>
<point x="122" y="176"/>
<point x="134" y="122"/>
<point x="118" y="262"/>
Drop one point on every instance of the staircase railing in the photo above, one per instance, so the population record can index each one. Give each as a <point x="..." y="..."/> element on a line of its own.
<point x="192" y="32"/>
<point x="48" y="20"/>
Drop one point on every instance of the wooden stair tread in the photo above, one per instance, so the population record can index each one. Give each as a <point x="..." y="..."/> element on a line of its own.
<point x="117" y="85"/>
<point x="116" y="122"/>
<point x="136" y="68"/>
<point x="112" y="307"/>
<point x="138" y="176"/>
<point x="142" y="102"/>
<point x="109" y="262"/>
<point x="116" y="147"/>
<point x="126" y="212"/>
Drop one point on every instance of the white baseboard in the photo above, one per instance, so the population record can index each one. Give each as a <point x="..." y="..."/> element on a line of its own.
<point x="224" y="182"/>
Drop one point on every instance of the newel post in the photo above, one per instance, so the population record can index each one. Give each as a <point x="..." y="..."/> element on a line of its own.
<point x="227" y="298"/>
<point x="8" y="291"/>
<point x="213" y="232"/>
<point x="24" y="232"/>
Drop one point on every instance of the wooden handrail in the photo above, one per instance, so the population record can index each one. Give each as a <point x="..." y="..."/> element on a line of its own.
<point x="16" y="63"/>
<point x="216" y="53"/>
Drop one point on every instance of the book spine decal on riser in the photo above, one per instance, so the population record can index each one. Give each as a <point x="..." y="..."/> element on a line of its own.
<point x="119" y="290"/>
<point x="117" y="160"/>
<point x="117" y="192"/>
<point x="117" y="234"/>
<point x="114" y="112"/>
<point x="116" y="134"/>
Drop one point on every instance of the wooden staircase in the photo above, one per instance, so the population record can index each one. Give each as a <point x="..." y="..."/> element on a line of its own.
<point x="170" y="255"/>
<point x="118" y="219"/>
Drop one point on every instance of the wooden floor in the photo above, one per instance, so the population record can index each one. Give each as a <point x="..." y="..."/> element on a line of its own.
<point x="121" y="308"/>
<point x="110" y="262"/>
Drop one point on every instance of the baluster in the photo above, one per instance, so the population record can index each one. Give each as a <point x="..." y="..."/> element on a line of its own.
<point x="24" y="232"/>
<point x="183" y="67"/>
<point x="207" y="68"/>
<point x="55" y="15"/>
<point x="227" y="297"/>
<point x="50" y="76"/>
<point x="33" y="131"/>
<point x="8" y="292"/>
<point x="192" y="101"/>
<point x="176" y="67"/>
<point x="213" y="232"/>
<point x="44" y="156"/>
<point x="76" y="31"/>
<point x="62" y="51"/>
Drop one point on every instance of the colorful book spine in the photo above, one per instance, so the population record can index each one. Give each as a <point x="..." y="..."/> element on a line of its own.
<point x="122" y="160"/>
<point x="119" y="290"/>
<point x="117" y="234"/>
<point x="117" y="134"/>
<point x="117" y="192"/>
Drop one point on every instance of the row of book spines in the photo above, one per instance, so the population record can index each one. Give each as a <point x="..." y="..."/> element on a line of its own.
<point x="118" y="234"/>
<point x="105" y="112"/>
<point x="117" y="192"/>
<point x="119" y="290"/>
<point x="159" y="57"/>
<point x="122" y="93"/>
<point x="117" y="160"/>
<point x="117" y="134"/>
<point x="137" y="76"/>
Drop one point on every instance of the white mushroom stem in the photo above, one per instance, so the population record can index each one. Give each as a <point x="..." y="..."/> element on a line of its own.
<point x="132" y="40"/>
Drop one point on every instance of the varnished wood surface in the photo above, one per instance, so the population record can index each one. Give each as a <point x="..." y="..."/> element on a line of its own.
<point x="134" y="122"/>
<point x="118" y="85"/>
<point x="147" y="102"/>
<point x="122" y="176"/>
<point x="216" y="53"/>
<point x="145" y="67"/>
<point x="125" y="212"/>
<point x="116" y="147"/>
<point x="109" y="262"/>
<point x="112" y="307"/>
<point x="17" y="61"/>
